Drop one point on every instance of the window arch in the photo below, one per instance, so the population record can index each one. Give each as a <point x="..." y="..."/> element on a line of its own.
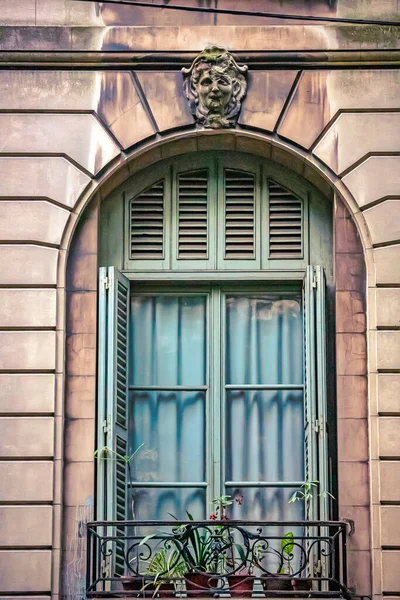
<point x="238" y="248"/>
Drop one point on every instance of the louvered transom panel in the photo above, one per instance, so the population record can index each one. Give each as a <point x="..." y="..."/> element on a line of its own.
<point x="239" y="214"/>
<point x="193" y="214"/>
<point x="147" y="223"/>
<point x="121" y="353"/>
<point x="285" y="223"/>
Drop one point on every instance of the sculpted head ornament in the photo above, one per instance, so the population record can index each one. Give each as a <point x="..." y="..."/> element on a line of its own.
<point x="215" y="86"/>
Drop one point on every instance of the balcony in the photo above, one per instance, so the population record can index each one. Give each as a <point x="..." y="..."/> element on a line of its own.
<point x="179" y="559"/>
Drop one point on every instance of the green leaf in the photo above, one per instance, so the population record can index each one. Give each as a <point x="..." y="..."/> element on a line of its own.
<point x="287" y="543"/>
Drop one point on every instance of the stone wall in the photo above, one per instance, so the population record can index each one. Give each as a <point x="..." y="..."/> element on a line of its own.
<point x="71" y="135"/>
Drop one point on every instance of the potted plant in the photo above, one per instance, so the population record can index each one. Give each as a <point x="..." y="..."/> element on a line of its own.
<point x="165" y="566"/>
<point x="282" y="580"/>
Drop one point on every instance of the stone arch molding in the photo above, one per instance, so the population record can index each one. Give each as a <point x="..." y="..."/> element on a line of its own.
<point x="263" y="145"/>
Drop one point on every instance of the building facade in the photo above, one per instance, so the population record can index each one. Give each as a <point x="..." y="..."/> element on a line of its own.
<point x="199" y="249"/>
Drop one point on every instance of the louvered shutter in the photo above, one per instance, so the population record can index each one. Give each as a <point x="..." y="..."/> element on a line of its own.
<point x="193" y="215"/>
<point x="146" y="223"/>
<point x="315" y="424"/>
<point x="112" y="394"/>
<point x="239" y="214"/>
<point x="285" y="223"/>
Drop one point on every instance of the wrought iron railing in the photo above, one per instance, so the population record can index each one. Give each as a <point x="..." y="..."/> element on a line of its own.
<point x="216" y="559"/>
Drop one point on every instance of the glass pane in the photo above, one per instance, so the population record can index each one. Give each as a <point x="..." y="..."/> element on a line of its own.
<point x="161" y="503"/>
<point x="264" y="435"/>
<point x="265" y="504"/>
<point x="171" y="427"/>
<point x="168" y="340"/>
<point x="264" y="340"/>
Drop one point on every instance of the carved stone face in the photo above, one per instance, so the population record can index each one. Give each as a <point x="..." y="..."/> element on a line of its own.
<point x="215" y="90"/>
<point x="215" y="86"/>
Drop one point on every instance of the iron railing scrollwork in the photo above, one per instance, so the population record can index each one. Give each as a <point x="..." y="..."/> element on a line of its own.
<point x="216" y="559"/>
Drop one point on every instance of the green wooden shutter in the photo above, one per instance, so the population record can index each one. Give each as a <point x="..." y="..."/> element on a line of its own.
<point x="112" y="401"/>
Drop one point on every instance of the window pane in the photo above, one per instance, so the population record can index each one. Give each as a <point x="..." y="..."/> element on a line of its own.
<point x="168" y="343"/>
<point x="171" y="427"/>
<point x="265" y="504"/>
<point x="264" y="435"/>
<point x="264" y="340"/>
<point x="161" y="503"/>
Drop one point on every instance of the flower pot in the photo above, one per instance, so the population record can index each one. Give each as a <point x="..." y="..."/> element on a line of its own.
<point x="200" y="584"/>
<point x="240" y="585"/>
<point x="164" y="590"/>
<point x="134" y="584"/>
<point x="302" y="585"/>
<point x="277" y="583"/>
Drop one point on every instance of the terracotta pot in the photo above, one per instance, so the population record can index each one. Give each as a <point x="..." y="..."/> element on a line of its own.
<point x="200" y="584"/>
<point x="277" y="583"/>
<point x="240" y="585"/>
<point x="302" y="585"/>
<point x="165" y="590"/>
<point x="133" y="584"/>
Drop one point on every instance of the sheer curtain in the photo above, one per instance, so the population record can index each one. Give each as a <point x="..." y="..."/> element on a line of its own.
<point x="168" y="349"/>
<point x="264" y="426"/>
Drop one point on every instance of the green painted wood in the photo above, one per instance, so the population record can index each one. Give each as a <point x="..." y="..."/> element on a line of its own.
<point x="101" y="441"/>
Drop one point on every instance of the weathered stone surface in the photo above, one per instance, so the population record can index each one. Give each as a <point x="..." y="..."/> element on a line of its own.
<point x="79" y="483"/>
<point x="28" y="265"/>
<point x="388" y="348"/>
<point x="27" y="308"/>
<point x="390" y="523"/>
<point x="20" y="12"/>
<point x="37" y="221"/>
<point x="266" y="95"/>
<point x="376" y="178"/>
<point x="321" y="94"/>
<point x="26" y="437"/>
<point x="49" y="177"/>
<point x="350" y="312"/>
<point x="26" y="526"/>
<point x="391" y="571"/>
<point x="387" y="265"/>
<point x="390" y="481"/>
<point x="26" y="481"/>
<point x="29" y="393"/>
<point x="351" y="354"/>
<point x="27" y="350"/>
<point x="383" y="221"/>
<point x="80" y="137"/>
<point x="349" y="138"/>
<point x="389" y="437"/>
<point x="35" y="565"/>
<point x="388" y="307"/>
<point x="163" y="91"/>
<point x="389" y="393"/>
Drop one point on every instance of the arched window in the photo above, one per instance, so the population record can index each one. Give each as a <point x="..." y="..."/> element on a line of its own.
<point x="212" y="339"/>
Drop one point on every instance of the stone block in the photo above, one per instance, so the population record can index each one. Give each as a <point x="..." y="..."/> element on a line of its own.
<point x="51" y="177"/>
<point x="359" y="571"/>
<point x="346" y="236"/>
<point x="266" y="95"/>
<point x="388" y="307"/>
<point x="81" y="312"/>
<point x="81" y="354"/>
<point x="79" y="483"/>
<point x="352" y="396"/>
<point x="321" y="94"/>
<point x="79" y="136"/>
<point x="23" y="437"/>
<point x="26" y="526"/>
<point x="350" y="312"/>
<point x="82" y="272"/>
<point x="361" y="517"/>
<point x="350" y="272"/>
<point x="80" y="397"/>
<point x="37" y="221"/>
<point x="390" y="525"/>
<point x="351" y="354"/>
<point x="389" y="393"/>
<point x="387" y="264"/>
<point x="26" y="481"/>
<point x="349" y="138"/>
<point x="26" y="393"/>
<point x="28" y="265"/>
<point x="391" y="571"/>
<point x="83" y="430"/>
<point x="163" y="91"/>
<point x="389" y="437"/>
<point x="375" y="178"/>
<point x="388" y="350"/>
<point x="27" y="350"/>
<point x="352" y="440"/>
<point x="383" y="221"/>
<point x="353" y="484"/>
<point x="25" y="571"/>
<point x="27" y="308"/>
<point x="390" y="481"/>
